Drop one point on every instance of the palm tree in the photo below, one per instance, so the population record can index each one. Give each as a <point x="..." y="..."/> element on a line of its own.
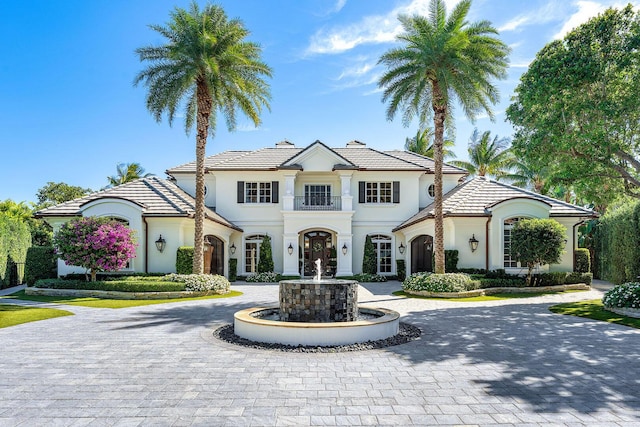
<point x="422" y="144"/>
<point x="486" y="156"/>
<point x="208" y="67"/>
<point x="526" y="175"/>
<point x="442" y="60"/>
<point x="126" y="173"/>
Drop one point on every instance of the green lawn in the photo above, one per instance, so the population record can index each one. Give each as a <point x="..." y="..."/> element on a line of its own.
<point x="593" y="309"/>
<point x="494" y="297"/>
<point x="11" y="315"/>
<point x="110" y="303"/>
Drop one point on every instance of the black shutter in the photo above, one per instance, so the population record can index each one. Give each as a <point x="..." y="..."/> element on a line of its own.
<point x="240" y="191"/>
<point x="396" y="191"/>
<point x="361" y="191"/>
<point x="274" y="191"/>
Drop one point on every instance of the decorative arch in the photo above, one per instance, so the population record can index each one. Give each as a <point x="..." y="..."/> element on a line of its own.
<point x="251" y="253"/>
<point x="422" y="254"/>
<point x="383" y="249"/>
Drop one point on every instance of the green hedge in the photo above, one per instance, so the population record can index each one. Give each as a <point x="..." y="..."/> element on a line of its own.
<point x="401" y="269"/>
<point x="583" y="260"/>
<point x="184" y="260"/>
<point x="369" y="264"/>
<point x="41" y="263"/>
<point x="233" y="269"/>
<point x="450" y="260"/>
<point x="265" y="263"/>
<point x="126" y="284"/>
<point x="448" y="282"/>
<point x="15" y="239"/>
<point x="617" y="243"/>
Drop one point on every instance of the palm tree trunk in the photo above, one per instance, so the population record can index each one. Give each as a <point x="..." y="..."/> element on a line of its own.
<point x="440" y="112"/>
<point x="202" y="124"/>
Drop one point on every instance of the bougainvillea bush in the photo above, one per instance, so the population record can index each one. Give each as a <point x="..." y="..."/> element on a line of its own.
<point x="97" y="244"/>
<point x="626" y="295"/>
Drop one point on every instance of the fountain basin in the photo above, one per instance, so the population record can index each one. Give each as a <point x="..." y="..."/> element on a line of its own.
<point x="318" y="300"/>
<point x="249" y="324"/>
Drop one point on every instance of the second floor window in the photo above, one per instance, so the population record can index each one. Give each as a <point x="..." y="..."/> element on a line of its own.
<point x="379" y="192"/>
<point x="258" y="192"/>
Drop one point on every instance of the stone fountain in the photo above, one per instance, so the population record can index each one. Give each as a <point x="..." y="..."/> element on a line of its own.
<point x="317" y="312"/>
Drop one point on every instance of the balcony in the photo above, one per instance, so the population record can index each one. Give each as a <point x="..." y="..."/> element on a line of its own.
<point x="317" y="203"/>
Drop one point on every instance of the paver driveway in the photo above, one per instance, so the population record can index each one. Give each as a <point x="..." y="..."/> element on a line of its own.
<point x="504" y="362"/>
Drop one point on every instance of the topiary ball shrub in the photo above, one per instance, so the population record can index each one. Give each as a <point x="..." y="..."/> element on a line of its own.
<point x="202" y="282"/>
<point x="448" y="282"/>
<point x="626" y="295"/>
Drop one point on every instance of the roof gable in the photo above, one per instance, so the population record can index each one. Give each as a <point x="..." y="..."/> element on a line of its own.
<point x="317" y="157"/>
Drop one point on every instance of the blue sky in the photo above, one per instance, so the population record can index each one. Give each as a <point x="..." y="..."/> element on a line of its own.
<point x="69" y="111"/>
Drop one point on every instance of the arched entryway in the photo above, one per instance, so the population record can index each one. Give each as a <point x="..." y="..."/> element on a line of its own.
<point x="318" y="244"/>
<point x="422" y="254"/>
<point x="213" y="255"/>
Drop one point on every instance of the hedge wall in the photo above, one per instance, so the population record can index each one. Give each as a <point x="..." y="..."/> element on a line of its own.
<point x="15" y="239"/>
<point x="41" y="263"/>
<point x="618" y="243"/>
<point x="184" y="260"/>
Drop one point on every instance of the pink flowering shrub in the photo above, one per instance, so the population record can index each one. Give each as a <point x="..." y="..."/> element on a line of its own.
<point x="97" y="244"/>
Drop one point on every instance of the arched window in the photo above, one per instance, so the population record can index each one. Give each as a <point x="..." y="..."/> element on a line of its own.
<point x="509" y="260"/>
<point x="382" y="245"/>
<point x="252" y="252"/>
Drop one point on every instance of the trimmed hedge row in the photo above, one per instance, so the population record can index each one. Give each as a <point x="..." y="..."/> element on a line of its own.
<point x="41" y="263"/>
<point x="124" y="285"/>
<point x="184" y="260"/>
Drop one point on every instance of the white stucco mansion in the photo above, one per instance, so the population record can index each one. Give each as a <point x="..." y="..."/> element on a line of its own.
<point x="321" y="202"/>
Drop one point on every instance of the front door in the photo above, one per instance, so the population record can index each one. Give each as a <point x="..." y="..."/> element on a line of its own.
<point x="421" y="254"/>
<point x="213" y="255"/>
<point x="317" y="246"/>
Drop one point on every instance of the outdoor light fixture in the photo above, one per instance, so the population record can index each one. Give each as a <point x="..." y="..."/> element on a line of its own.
<point x="160" y="244"/>
<point x="344" y="249"/>
<point x="473" y="242"/>
<point x="232" y="248"/>
<point x="290" y="249"/>
<point x="401" y="248"/>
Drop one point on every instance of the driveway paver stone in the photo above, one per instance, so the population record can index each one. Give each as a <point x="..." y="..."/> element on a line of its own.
<point x="509" y="362"/>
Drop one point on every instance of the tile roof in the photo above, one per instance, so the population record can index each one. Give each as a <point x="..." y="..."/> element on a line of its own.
<point x="477" y="196"/>
<point x="156" y="197"/>
<point x="425" y="162"/>
<point x="272" y="158"/>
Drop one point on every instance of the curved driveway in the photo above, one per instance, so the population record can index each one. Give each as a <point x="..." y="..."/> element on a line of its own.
<point x="495" y="363"/>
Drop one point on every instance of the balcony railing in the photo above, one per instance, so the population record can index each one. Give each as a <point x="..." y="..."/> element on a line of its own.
<point x="317" y="203"/>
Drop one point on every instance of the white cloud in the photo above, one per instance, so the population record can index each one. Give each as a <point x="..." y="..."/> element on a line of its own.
<point x="357" y="70"/>
<point x="521" y="64"/>
<point x="338" y="6"/>
<point x="369" y="30"/>
<point x="586" y="10"/>
<point x="551" y="11"/>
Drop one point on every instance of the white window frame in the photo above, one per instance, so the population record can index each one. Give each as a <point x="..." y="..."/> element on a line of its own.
<point x="506" y="244"/>
<point x="309" y="196"/>
<point x="257" y="192"/>
<point x="378" y="240"/>
<point x="251" y="240"/>
<point x="374" y="192"/>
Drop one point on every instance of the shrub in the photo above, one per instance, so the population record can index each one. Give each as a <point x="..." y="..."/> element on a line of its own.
<point x="537" y="241"/>
<point x="158" y="284"/>
<point x="184" y="260"/>
<point x="502" y="282"/>
<point x="265" y="264"/>
<point x="496" y="274"/>
<point x="626" y="295"/>
<point x="264" y="277"/>
<point x="233" y="269"/>
<point x="97" y="244"/>
<point x="450" y="260"/>
<point x="15" y="239"/>
<point x="448" y="282"/>
<point x="202" y="282"/>
<point x="549" y="279"/>
<point x="583" y="260"/>
<point x="369" y="264"/>
<point x="366" y="277"/>
<point x="401" y="269"/>
<point x="41" y="263"/>
<point x="576" y="277"/>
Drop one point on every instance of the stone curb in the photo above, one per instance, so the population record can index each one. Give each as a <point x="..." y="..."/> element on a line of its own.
<point x="491" y="291"/>
<point x="115" y="294"/>
<point x="625" y="311"/>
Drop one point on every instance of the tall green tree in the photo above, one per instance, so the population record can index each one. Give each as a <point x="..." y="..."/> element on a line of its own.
<point x="442" y="59"/>
<point x="422" y="144"/>
<point x="524" y="174"/>
<point x="577" y="107"/>
<point x="54" y="193"/>
<point x="207" y="67"/>
<point x="486" y="156"/>
<point x="127" y="172"/>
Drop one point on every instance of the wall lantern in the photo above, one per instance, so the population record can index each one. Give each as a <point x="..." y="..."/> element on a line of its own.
<point x="473" y="242"/>
<point x="344" y="249"/>
<point x="232" y="248"/>
<point x="290" y="249"/>
<point x="401" y="248"/>
<point x="160" y="244"/>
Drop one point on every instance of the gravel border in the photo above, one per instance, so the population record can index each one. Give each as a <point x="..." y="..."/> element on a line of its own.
<point x="406" y="334"/>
